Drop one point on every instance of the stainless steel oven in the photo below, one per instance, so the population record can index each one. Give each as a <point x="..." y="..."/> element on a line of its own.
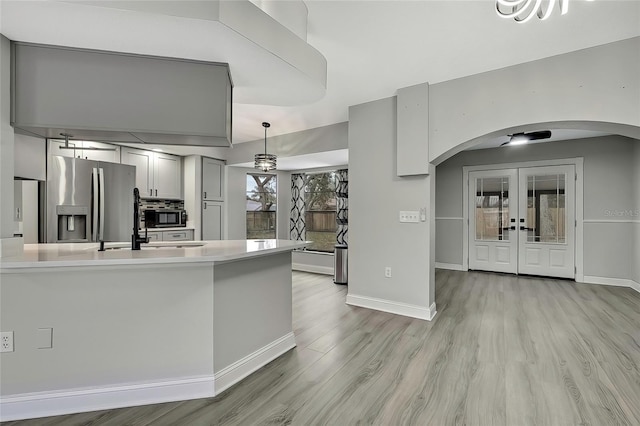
<point x="165" y="218"/>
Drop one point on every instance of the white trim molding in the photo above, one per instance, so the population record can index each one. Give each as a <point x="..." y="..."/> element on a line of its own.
<point x="59" y="402"/>
<point x="398" y="308"/>
<point x="618" y="282"/>
<point x="315" y="269"/>
<point x="611" y="221"/>
<point x="54" y="403"/>
<point x="240" y="369"/>
<point x="449" y="266"/>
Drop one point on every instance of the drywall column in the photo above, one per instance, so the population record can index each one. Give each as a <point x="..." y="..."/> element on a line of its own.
<point x="376" y="237"/>
<point x="636" y="213"/>
<point x="8" y="244"/>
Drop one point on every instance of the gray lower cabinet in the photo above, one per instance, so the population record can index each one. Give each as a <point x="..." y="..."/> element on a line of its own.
<point x="182" y="235"/>
<point x="212" y="216"/>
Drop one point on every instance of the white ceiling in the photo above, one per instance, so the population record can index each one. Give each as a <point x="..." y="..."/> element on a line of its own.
<point x="372" y="48"/>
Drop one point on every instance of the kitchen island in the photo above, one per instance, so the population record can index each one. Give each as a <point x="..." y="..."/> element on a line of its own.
<point x="96" y="330"/>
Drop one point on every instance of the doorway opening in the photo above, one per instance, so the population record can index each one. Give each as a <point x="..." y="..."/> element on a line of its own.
<point x="522" y="219"/>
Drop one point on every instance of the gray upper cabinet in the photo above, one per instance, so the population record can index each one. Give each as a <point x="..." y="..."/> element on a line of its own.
<point x="158" y="175"/>
<point x="117" y="97"/>
<point x="212" y="179"/>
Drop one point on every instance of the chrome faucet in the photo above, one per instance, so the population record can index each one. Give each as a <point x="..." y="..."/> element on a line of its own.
<point x="136" y="239"/>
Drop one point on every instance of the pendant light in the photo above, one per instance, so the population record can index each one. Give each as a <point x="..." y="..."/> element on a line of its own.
<point x="265" y="162"/>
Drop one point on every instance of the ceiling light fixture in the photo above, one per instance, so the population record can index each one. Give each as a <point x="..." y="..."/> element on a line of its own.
<point x="523" y="138"/>
<point x="524" y="10"/>
<point x="265" y="162"/>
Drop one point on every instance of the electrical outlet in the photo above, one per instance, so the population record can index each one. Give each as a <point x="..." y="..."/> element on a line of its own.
<point x="6" y="341"/>
<point x="387" y="272"/>
<point x="409" y="216"/>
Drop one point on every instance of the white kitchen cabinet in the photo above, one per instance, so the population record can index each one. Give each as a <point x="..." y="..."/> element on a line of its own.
<point x="158" y="175"/>
<point x="212" y="179"/>
<point x="108" y="156"/>
<point x="186" y="235"/>
<point x="212" y="216"/>
<point x="181" y="235"/>
<point x="167" y="176"/>
<point x="153" y="235"/>
<point x="56" y="148"/>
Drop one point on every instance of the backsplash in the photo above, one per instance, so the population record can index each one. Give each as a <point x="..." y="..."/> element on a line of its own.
<point x="158" y="205"/>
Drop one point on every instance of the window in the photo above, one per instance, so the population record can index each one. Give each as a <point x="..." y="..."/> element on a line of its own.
<point x="320" y="212"/>
<point x="261" y="206"/>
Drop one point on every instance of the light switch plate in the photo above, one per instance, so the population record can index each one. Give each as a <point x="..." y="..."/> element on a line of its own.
<point x="409" y="216"/>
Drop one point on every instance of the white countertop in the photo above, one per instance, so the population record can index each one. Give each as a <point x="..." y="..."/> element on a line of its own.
<point x="87" y="254"/>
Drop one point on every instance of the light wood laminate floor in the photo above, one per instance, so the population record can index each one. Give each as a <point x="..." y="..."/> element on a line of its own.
<point x="502" y="350"/>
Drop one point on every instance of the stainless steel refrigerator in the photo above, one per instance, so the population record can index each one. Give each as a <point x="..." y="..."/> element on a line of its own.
<point x="89" y="201"/>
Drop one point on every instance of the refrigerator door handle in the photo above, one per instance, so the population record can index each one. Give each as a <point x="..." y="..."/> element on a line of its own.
<point x="101" y="175"/>
<point x="94" y="211"/>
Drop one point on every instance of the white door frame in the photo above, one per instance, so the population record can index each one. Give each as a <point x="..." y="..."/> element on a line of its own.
<point x="578" y="162"/>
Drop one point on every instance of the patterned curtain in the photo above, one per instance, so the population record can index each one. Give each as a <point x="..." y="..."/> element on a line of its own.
<point x="296" y="221"/>
<point x="342" y="206"/>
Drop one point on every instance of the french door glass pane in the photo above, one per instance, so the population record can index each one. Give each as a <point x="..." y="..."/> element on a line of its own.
<point x="492" y="209"/>
<point x="546" y="214"/>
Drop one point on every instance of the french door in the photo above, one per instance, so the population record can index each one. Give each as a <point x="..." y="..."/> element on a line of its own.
<point x="521" y="221"/>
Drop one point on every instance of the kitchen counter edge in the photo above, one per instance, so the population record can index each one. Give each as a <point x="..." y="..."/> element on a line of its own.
<point x="38" y="256"/>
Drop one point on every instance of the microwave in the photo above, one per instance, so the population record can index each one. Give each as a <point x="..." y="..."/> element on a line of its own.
<point x="165" y="218"/>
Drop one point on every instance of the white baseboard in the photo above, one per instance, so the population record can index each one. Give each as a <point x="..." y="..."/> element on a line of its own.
<point x="55" y="403"/>
<point x="13" y="246"/>
<point x="237" y="371"/>
<point x="450" y="266"/>
<point x="398" y="308"/>
<point x="618" y="282"/>
<point x="44" y="404"/>
<point x="326" y="270"/>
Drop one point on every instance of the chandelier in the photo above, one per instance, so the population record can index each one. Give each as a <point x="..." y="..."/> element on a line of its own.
<point x="265" y="162"/>
<point x="523" y="10"/>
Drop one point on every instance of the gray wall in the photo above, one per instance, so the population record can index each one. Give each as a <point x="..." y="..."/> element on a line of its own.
<point x="243" y="284"/>
<point x="319" y="263"/>
<point x="610" y="184"/>
<point x="6" y="144"/>
<point x="636" y="179"/>
<point x="589" y="86"/>
<point x="376" y="195"/>
<point x="137" y="306"/>
<point x="320" y="139"/>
